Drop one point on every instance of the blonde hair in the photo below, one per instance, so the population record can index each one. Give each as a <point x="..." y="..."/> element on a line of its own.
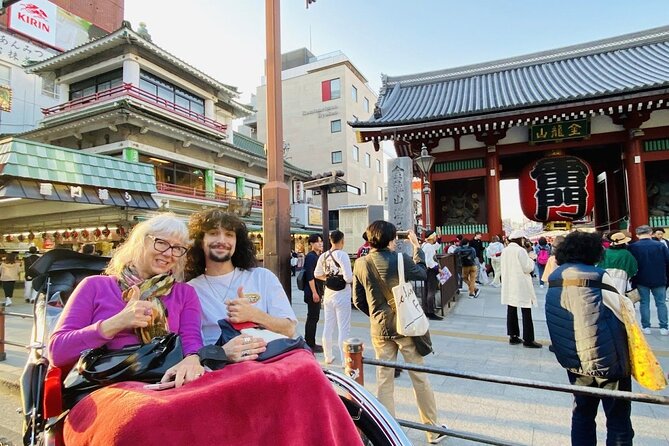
<point x="132" y="250"/>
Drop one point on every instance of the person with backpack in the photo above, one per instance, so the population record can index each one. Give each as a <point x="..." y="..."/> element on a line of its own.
<point x="467" y="256"/>
<point x="543" y="252"/>
<point x="312" y="296"/>
<point x="334" y="267"/>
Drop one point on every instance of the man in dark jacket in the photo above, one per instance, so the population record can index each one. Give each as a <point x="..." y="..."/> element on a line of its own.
<point x="312" y="296"/>
<point x="467" y="256"/>
<point x="373" y="298"/>
<point x="28" y="293"/>
<point x="653" y="259"/>
<point x="589" y="338"/>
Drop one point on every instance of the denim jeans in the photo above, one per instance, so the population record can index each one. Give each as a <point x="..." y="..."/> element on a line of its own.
<point x="658" y="293"/>
<point x="619" y="430"/>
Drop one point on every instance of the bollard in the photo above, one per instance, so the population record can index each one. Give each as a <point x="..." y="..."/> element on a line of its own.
<point x="3" y="355"/>
<point x="353" y="360"/>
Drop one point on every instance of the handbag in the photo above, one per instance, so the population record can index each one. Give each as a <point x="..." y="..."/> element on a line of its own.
<point x="423" y="344"/>
<point x="335" y="282"/>
<point x="100" y="366"/>
<point x="300" y="280"/>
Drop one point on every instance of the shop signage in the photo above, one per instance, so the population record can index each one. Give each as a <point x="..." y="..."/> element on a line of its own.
<point x="5" y="98"/>
<point x="557" y="188"/>
<point x="127" y="197"/>
<point x="557" y="131"/>
<point x="45" y="188"/>
<point x="103" y="194"/>
<point x="75" y="191"/>
<point x="315" y="217"/>
<point x="329" y="110"/>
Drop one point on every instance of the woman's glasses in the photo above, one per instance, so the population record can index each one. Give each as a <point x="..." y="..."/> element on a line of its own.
<point x="162" y="246"/>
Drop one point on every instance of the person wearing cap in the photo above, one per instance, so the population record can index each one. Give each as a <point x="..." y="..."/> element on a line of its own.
<point x="653" y="259"/>
<point x="518" y="290"/>
<point x="430" y="247"/>
<point x="619" y="262"/>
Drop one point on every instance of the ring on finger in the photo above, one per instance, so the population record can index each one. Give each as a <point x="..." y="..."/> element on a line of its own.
<point x="245" y="353"/>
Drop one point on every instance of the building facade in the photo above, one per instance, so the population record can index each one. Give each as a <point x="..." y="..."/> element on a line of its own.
<point x="599" y="107"/>
<point x="320" y="96"/>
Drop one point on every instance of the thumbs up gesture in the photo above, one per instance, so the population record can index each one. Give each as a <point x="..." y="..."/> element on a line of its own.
<point x="136" y="314"/>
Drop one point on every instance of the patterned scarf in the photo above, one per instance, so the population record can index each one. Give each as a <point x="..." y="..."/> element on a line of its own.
<point x="152" y="290"/>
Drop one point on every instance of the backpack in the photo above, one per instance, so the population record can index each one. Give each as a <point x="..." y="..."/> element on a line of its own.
<point x="300" y="280"/>
<point x="467" y="256"/>
<point x="542" y="256"/>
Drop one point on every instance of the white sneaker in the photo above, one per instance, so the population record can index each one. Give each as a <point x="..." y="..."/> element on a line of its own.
<point x="646" y="330"/>
<point x="8" y="302"/>
<point x="541" y="286"/>
<point x="664" y="332"/>
<point x="440" y="437"/>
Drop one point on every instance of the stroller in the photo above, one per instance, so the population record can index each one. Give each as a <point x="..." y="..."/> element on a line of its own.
<point x="56" y="274"/>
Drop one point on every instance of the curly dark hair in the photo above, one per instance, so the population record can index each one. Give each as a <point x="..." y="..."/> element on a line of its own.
<point x="201" y="222"/>
<point x="580" y="247"/>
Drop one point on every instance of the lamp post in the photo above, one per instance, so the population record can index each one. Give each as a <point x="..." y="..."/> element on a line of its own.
<point x="424" y="163"/>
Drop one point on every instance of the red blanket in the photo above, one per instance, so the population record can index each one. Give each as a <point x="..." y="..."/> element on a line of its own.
<point x="285" y="401"/>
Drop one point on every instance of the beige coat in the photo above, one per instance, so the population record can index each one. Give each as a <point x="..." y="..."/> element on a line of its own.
<point x="517" y="287"/>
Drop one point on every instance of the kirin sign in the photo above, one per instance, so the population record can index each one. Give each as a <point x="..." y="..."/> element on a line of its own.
<point x="557" y="188"/>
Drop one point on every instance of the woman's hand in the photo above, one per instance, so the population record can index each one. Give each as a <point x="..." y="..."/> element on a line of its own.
<point x="189" y="369"/>
<point x="136" y="314"/>
<point x="244" y="348"/>
<point x="413" y="239"/>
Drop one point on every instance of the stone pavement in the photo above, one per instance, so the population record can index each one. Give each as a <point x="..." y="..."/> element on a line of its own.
<point x="472" y="338"/>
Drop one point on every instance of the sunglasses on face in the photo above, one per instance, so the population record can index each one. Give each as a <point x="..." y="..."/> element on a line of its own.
<point x="163" y="246"/>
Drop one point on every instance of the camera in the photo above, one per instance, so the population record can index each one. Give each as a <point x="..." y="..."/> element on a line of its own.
<point x="402" y="234"/>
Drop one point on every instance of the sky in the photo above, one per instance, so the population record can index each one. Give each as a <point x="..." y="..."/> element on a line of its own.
<point x="226" y="38"/>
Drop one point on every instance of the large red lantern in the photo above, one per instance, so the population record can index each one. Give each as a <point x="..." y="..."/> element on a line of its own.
<point x="557" y="188"/>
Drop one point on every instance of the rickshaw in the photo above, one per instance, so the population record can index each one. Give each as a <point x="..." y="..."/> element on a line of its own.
<point x="56" y="274"/>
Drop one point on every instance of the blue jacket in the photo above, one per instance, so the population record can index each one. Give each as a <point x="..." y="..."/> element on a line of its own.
<point x="588" y="339"/>
<point x="653" y="259"/>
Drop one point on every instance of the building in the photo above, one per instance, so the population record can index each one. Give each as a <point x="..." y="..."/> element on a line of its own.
<point x="136" y="131"/>
<point x="604" y="102"/>
<point x="320" y="96"/>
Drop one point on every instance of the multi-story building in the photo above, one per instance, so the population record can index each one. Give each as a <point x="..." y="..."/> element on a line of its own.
<point x="136" y="131"/>
<point x="320" y="96"/>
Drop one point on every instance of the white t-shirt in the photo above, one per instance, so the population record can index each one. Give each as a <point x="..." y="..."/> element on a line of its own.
<point x="326" y="264"/>
<point x="430" y="250"/>
<point x="214" y="291"/>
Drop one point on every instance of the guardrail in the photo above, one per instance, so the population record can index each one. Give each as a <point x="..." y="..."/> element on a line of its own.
<point x="3" y="341"/>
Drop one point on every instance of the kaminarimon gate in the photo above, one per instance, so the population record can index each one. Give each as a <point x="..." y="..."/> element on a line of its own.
<point x="604" y="103"/>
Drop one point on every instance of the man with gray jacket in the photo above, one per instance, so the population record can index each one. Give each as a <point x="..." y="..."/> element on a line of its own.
<point x="373" y="277"/>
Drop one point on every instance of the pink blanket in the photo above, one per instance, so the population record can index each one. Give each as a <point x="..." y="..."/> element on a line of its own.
<point x="285" y="401"/>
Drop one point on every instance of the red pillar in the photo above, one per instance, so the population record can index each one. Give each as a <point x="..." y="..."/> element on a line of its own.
<point x="492" y="192"/>
<point x="635" y="170"/>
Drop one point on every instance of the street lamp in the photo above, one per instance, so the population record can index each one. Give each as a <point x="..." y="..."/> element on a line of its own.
<point x="424" y="163"/>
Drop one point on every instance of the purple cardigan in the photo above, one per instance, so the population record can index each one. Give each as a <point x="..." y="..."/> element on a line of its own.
<point x="98" y="298"/>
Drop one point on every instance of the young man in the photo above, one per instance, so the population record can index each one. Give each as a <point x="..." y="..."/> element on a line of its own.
<point x="430" y="249"/>
<point x="311" y="295"/>
<point x="334" y="267"/>
<point x="28" y="293"/>
<point x="467" y="256"/>
<point x="222" y="268"/>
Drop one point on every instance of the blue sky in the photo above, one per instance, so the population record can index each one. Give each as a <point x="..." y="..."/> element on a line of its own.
<point x="226" y="38"/>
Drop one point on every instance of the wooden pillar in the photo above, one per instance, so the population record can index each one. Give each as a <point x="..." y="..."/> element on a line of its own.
<point x="493" y="201"/>
<point x="635" y="171"/>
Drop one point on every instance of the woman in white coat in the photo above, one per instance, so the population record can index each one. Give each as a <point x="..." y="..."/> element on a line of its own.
<point x="518" y="290"/>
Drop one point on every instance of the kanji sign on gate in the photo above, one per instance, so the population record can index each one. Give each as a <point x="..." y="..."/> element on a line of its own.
<point x="557" y="131"/>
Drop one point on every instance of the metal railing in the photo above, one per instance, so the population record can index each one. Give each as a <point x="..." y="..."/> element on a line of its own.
<point x="193" y="192"/>
<point x="3" y="341"/>
<point x="135" y="92"/>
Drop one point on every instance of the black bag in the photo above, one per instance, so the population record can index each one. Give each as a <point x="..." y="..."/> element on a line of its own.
<point x="335" y="282"/>
<point x="100" y="367"/>
<point x="423" y="344"/>
<point x="300" y="280"/>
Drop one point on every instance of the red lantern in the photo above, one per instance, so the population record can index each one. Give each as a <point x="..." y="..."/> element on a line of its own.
<point x="56" y="235"/>
<point x="66" y="234"/>
<point x="21" y="237"/>
<point x="85" y="234"/>
<point x="97" y="232"/>
<point x="106" y="231"/>
<point x="120" y="231"/>
<point x="31" y="236"/>
<point x="557" y="188"/>
<point x="75" y="234"/>
<point x="8" y="238"/>
<point x="44" y="235"/>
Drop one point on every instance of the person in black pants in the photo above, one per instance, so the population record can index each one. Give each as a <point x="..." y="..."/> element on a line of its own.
<point x="312" y="295"/>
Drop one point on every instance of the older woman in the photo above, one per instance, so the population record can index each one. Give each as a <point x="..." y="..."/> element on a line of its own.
<point x="9" y="274"/>
<point x="140" y="297"/>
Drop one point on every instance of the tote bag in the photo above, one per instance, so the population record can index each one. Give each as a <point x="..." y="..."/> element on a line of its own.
<point x="410" y="321"/>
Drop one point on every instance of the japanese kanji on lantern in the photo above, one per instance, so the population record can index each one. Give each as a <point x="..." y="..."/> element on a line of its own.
<point x="557" y="188"/>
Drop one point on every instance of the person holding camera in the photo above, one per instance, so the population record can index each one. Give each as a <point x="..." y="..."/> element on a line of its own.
<point x="334" y="267"/>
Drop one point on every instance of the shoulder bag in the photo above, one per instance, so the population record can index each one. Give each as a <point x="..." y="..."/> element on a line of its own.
<point x="335" y="282"/>
<point x="100" y="367"/>
<point x="410" y="319"/>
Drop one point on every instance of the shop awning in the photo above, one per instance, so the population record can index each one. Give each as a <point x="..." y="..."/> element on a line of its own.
<point x="43" y="172"/>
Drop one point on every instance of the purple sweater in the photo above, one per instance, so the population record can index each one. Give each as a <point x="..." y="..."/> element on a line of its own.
<point x="98" y="298"/>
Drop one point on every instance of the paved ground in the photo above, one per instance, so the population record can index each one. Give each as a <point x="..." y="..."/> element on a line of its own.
<point x="470" y="339"/>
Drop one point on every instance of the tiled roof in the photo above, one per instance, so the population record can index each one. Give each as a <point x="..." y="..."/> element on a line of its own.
<point x="621" y="65"/>
<point x="248" y="144"/>
<point x="28" y="159"/>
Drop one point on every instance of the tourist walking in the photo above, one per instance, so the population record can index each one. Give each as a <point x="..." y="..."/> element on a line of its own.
<point x="494" y="253"/>
<point x="9" y="274"/>
<point x="619" y="262"/>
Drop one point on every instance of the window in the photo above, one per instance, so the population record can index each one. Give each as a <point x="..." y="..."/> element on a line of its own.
<point x="379" y="193"/>
<point x="50" y="87"/>
<point x="363" y="188"/>
<point x="336" y="157"/>
<point x="354" y="94"/>
<point x="186" y="179"/>
<point x="356" y="153"/>
<point x="335" y="126"/>
<point x="378" y="166"/>
<point x="331" y="89"/>
<point x="96" y="84"/>
<point x="226" y="186"/>
<point x="365" y="104"/>
<point x="368" y="160"/>
<point x="180" y="99"/>
<point x="252" y="191"/>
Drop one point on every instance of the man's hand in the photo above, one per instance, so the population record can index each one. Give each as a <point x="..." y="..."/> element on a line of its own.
<point x="241" y="310"/>
<point x="244" y="348"/>
<point x="316" y="298"/>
